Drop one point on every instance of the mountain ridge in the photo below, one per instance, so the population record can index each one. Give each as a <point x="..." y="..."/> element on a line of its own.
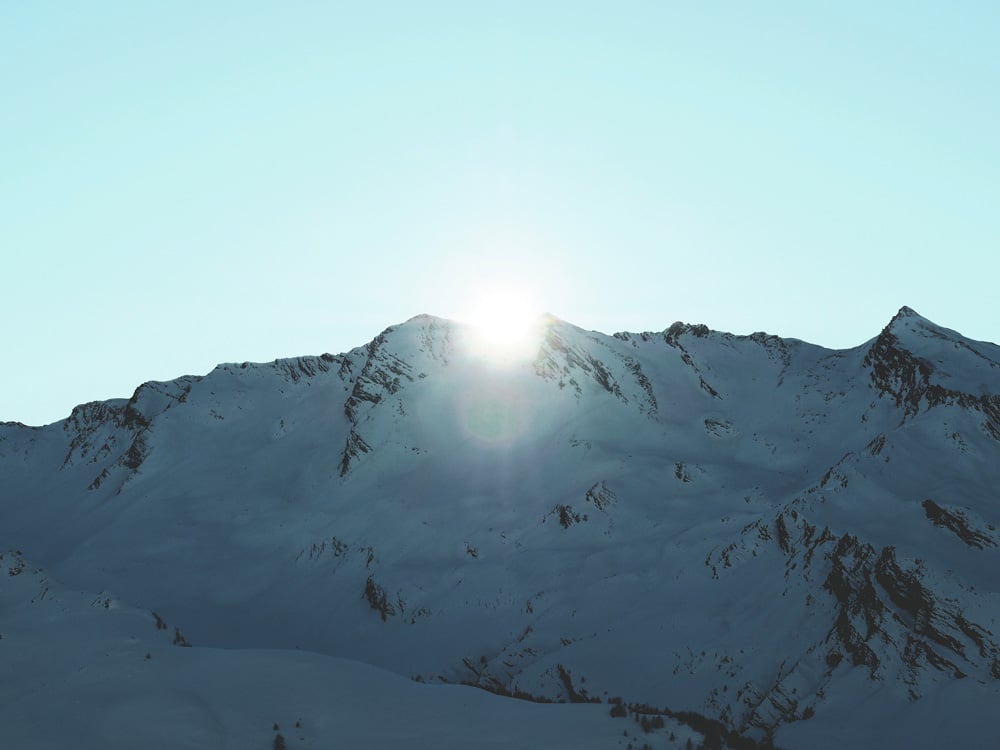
<point x="748" y="528"/>
<point x="297" y="366"/>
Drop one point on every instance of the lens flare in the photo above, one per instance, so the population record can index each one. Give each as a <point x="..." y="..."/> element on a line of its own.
<point x="493" y="414"/>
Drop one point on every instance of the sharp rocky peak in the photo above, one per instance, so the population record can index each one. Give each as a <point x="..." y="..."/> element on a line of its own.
<point x="910" y="331"/>
<point x="906" y="312"/>
<point x="921" y="364"/>
<point x="908" y="320"/>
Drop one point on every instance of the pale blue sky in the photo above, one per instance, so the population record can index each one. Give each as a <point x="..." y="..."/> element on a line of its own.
<point x="186" y="183"/>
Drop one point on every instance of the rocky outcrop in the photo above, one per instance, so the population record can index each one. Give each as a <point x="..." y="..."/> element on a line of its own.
<point x="570" y="363"/>
<point x="294" y="369"/>
<point x="94" y="429"/>
<point x="383" y="374"/>
<point x="906" y="377"/>
<point x="115" y="435"/>
<point x="897" y="373"/>
<point x="888" y="616"/>
<point x="672" y="336"/>
<point x="561" y="361"/>
<point x="601" y="496"/>
<point x="957" y="523"/>
<point x="885" y="614"/>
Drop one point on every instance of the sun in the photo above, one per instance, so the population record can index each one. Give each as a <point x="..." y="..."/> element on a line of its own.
<point x="503" y="323"/>
<point x="502" y="317"/>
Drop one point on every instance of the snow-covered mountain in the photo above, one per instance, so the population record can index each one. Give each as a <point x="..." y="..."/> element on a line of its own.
<point x="746" y="539"/>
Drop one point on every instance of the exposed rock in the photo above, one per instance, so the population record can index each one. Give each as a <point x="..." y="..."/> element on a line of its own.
<point x="956" y="522"/>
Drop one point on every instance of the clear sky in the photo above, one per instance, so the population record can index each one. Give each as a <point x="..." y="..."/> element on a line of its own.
<point x="187" y="183"/>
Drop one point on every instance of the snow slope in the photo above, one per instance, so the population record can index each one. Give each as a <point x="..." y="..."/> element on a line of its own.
<point x="84" y="671"/>
<point x="798" y="543"/>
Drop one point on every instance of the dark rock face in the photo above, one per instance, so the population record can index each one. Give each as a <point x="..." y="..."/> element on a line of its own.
<point x="887" y="616"/>
<point x="956" y="522"/>
<point x="895" y="372"/>
<point x="382" y="374"/>
<point x="378" y="599"/>
<point x="909" y="379"/>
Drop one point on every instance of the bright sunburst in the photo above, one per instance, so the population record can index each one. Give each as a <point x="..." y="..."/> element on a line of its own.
<point x="504" y="323"/>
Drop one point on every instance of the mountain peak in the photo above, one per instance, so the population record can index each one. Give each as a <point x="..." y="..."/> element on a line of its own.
<point x="921" y="363"/>
<point x="906" y="315"/>
<point x="425" y="318"/>
<point x="911" y="328"/>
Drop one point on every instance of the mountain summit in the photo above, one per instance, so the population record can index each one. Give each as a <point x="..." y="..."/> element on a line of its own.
<point x="743" y="540"/>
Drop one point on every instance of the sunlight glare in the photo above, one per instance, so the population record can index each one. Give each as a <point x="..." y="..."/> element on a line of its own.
<point x="504" y="324"/>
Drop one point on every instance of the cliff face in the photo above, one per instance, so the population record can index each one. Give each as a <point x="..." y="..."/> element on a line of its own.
<point x="744" y="528"/>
